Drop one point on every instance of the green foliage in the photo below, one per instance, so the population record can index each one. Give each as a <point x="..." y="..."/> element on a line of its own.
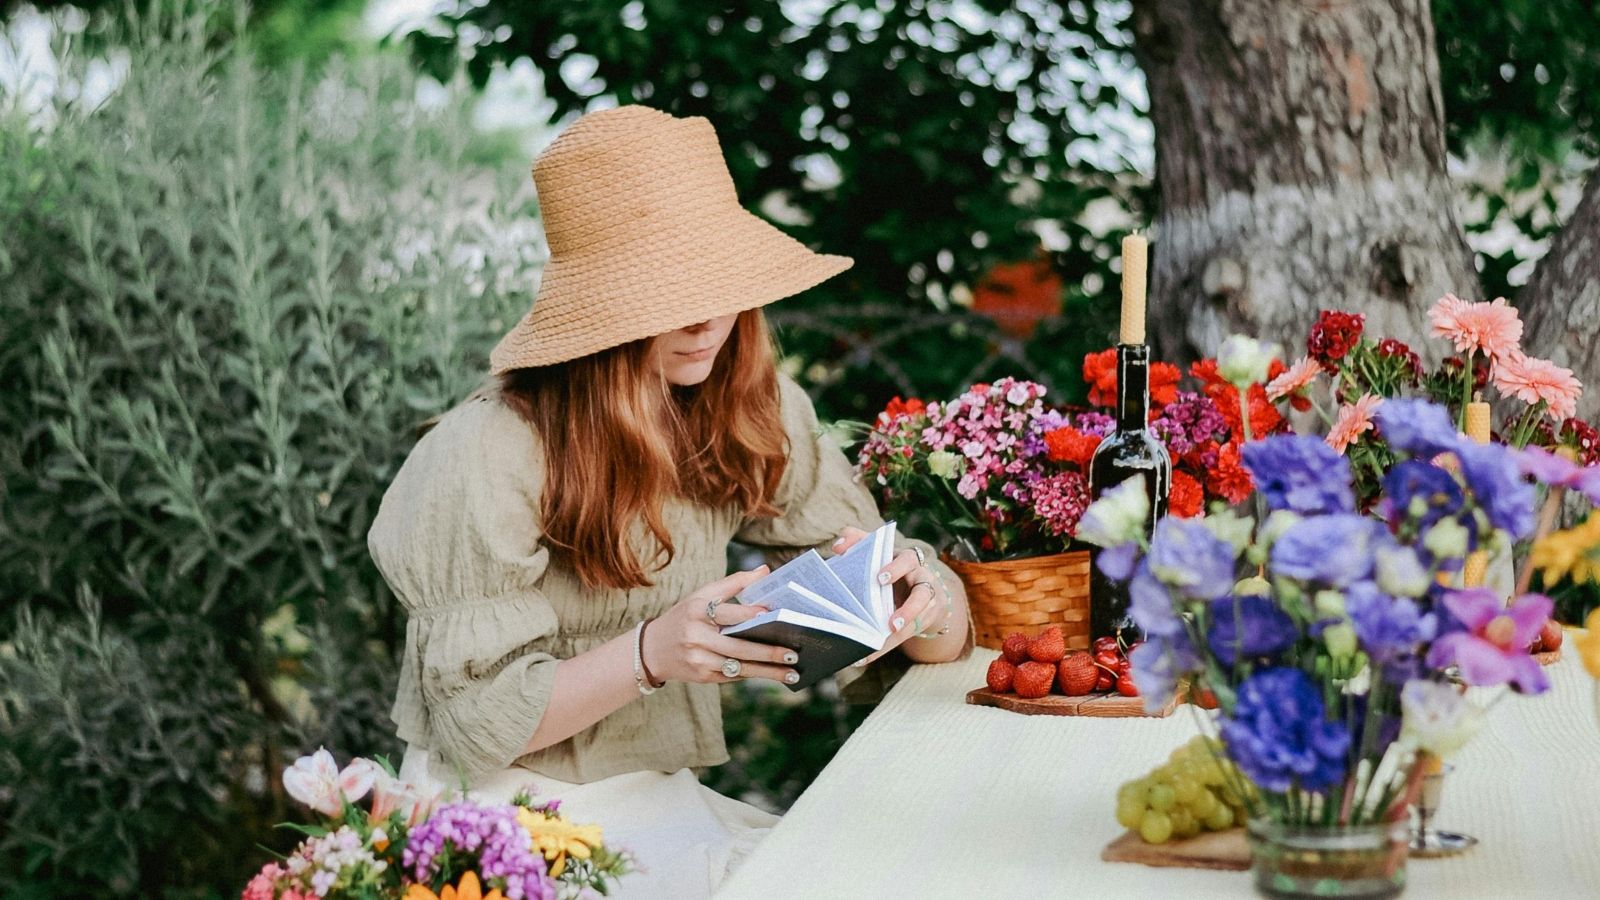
<point x="230" y="294"/>
<point x="923" y="142"/>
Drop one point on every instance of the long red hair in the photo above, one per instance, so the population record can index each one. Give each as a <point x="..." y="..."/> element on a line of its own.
<point x="620" y="441"/>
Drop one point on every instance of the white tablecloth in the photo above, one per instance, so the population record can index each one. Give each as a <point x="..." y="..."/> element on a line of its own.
<point x="934" y="798"/>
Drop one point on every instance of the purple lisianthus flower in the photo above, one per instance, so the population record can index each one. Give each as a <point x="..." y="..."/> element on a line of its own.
<point x="1389" y="629"/>
<point x="1301" y="473"/>
<point x="1158" y="664"/>
<point x="1187" y="555"/>
<point x="1414" y="479"/>
<point x="1417" y="427"/>
<point x="1489" y="641"/>
<point x="1491" y="472"/>
<point x="1557" y="471"/>
<point x="1332" y="550"/>
<point x="1279" y="734"/>
<point x="1150" y="605"/>
<point x="1117" y="562"/>
<point x="1096" y="423"/>
<point x="1249" y="628"/>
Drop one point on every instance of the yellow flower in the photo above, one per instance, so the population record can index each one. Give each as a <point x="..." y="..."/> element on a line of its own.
<point x="469" y="888"/>
<point x="1573" y="553"/>
<point x="1588" y="643"/>
<point x="557" y="838"/>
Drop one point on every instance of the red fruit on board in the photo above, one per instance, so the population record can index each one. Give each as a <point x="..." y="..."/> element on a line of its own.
<point x="1033" y="679"/>
<point x="1001" y="674"/>
<point x="1049" y="647"/>
<point x="1107" y="644"/>
<point x="1077" y="674"/>
<point x="1015" y="648"/>
<point x="1104" y="680"/>
<point x="1125" y="685"/>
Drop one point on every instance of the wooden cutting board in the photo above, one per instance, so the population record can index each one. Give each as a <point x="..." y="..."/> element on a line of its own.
<point x="1207" y="850"/>
<point x="1100" y="705"/>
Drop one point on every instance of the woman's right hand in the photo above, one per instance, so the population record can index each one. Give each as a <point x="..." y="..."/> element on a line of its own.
<point x="683" y="645"/>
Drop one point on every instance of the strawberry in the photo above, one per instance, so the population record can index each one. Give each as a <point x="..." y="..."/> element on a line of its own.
<point x="1015" y="648"/>
<point x="1077" y="674"/>
<point x="1001" y="672"/>
<point x="1033" y="679"/>
<point x="1049" y="646"/>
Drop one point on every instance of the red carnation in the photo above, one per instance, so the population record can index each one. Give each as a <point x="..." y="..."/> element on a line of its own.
<point x="1187" y="498"/>
<point x="1334" y="335"/>
<point x="1391" y="349"/>
<point x="1229" y="479"/>
<point x="1582" y="437"/>
<point x="1100" y="374"/>
<point x="1071" y="446"/>
<point x="898" y="408"/>
<point x="1264" y="416"/>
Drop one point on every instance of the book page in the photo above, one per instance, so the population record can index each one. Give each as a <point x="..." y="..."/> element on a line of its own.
<point x="846" y="630"/>
<point x="858" y="568"/>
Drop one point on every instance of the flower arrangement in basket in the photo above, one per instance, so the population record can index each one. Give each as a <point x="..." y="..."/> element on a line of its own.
<point x="1334" y="650"/>
<point x="1006" y="478"/>
<point x="411" y="844"/>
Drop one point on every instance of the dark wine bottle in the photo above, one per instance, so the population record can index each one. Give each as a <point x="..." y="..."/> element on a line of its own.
<point x="1132" y="451"/>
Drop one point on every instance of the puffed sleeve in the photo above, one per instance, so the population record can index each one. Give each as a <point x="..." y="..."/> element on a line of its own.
<point x="457" y="538"/>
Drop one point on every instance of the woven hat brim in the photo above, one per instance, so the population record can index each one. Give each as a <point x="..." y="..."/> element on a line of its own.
<point x="589" y="302"/>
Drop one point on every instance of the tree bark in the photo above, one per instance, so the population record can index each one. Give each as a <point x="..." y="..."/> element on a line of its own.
<point x="1561" y="302"/>
<point x="1301" y="163"/>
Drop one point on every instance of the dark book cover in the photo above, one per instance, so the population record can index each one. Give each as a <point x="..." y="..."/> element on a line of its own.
<point x="822" y="653"/>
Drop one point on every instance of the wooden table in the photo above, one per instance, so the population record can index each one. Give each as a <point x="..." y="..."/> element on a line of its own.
<point x="934" y="798"/>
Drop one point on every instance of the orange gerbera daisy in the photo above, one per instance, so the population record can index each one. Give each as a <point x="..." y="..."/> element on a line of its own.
<point x="1294" y="379"/>
<point x="1491" y="328"/>
<point x="1531" y="380"/>
<point x="1355" y="419"/>
<point x="468" y="888"/>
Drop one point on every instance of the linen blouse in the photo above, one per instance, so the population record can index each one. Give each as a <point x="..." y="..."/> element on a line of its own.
<point x="491" y="611"/>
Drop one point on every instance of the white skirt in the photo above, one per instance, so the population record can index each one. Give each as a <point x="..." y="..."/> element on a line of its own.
<point x="685" y="838"/>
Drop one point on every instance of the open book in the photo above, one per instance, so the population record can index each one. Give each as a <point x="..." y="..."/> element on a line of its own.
<point x="831" y="612"/>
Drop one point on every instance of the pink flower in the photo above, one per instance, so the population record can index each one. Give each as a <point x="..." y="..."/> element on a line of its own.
<point x="264" y="885"/>
<point x="1531" y="380"/>
<point x="390" y="794"/>
<point x="1492" y="328"/>
<point x="1494" y="647"/>
<point x="1355" y="419"/>
<point x="1294" y="379"/>
<point x="317" y="781"/>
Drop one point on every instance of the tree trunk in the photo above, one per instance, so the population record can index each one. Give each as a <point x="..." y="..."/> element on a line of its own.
<point x="1561" y="302"/>
<point x="1301" y="163"/>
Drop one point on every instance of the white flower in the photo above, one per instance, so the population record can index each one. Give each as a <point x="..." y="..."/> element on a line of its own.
<point x="1117" y="517"/>
<point x="1019" y="394"/>
<point x="1328" y="604"/>
<point x="1400" y="573"/>
<point x="1436" y="717"/>
<point x="1244" y="361"/>
<point x="317" y="782"/>
<point x="944" y="464"/>
<point x="1340" y="639"/>
<point x="1278" y="521"/>
<point x="1229" y="526"/>
<point x="390" y="794"/>
<point x="1447" y="538"/>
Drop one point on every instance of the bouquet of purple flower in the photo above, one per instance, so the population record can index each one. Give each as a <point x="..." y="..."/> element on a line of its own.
<point x="414" y="845"/>
<point x="1333" y="645"/>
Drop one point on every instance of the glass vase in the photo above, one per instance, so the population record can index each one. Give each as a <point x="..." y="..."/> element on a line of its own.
<point x="1293" y="861"/>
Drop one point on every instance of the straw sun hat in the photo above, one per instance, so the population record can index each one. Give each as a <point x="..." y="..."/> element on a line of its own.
<point x="646" y="236"/>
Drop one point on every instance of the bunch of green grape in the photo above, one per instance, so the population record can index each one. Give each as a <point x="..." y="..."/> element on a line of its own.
<point x="1196" y="789"/>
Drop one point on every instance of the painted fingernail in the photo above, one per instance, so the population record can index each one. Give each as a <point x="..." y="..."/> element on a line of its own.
<point x="792" y="677"/>
<point x="838" y="541"/>
<point x="791" y="658"/>
<point x="859" y="664"/>
<point x="883" y="577"/>
<point x="899" y="622"/>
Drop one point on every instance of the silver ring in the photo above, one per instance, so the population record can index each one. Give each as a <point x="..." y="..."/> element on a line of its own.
<point x="711" y="611"/>
<point x="732" y="667"/>
<point x="922" y="558"/>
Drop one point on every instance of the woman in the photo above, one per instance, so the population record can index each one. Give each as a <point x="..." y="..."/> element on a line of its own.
<point x="559" y="539"/>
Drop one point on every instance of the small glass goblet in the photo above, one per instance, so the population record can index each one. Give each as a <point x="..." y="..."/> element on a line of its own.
<point x="1427" y="841"/>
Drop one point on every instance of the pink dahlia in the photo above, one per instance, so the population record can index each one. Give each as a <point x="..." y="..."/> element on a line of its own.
<point x="1531" y="380"/>
<point x="1494" y="328"/>
<point x="1294" y="379"/>
<point x="1355" y="419"/>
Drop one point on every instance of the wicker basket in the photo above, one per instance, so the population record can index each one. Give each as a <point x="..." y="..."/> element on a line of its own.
<point x="1028" y="594"/>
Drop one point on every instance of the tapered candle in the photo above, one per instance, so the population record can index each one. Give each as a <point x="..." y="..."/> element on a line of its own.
<point x="1476" y="567"/>
<point x="1135" y="262"/>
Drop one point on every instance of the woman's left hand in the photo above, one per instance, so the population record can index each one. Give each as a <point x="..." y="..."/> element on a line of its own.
<point x="921" y="606"/>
